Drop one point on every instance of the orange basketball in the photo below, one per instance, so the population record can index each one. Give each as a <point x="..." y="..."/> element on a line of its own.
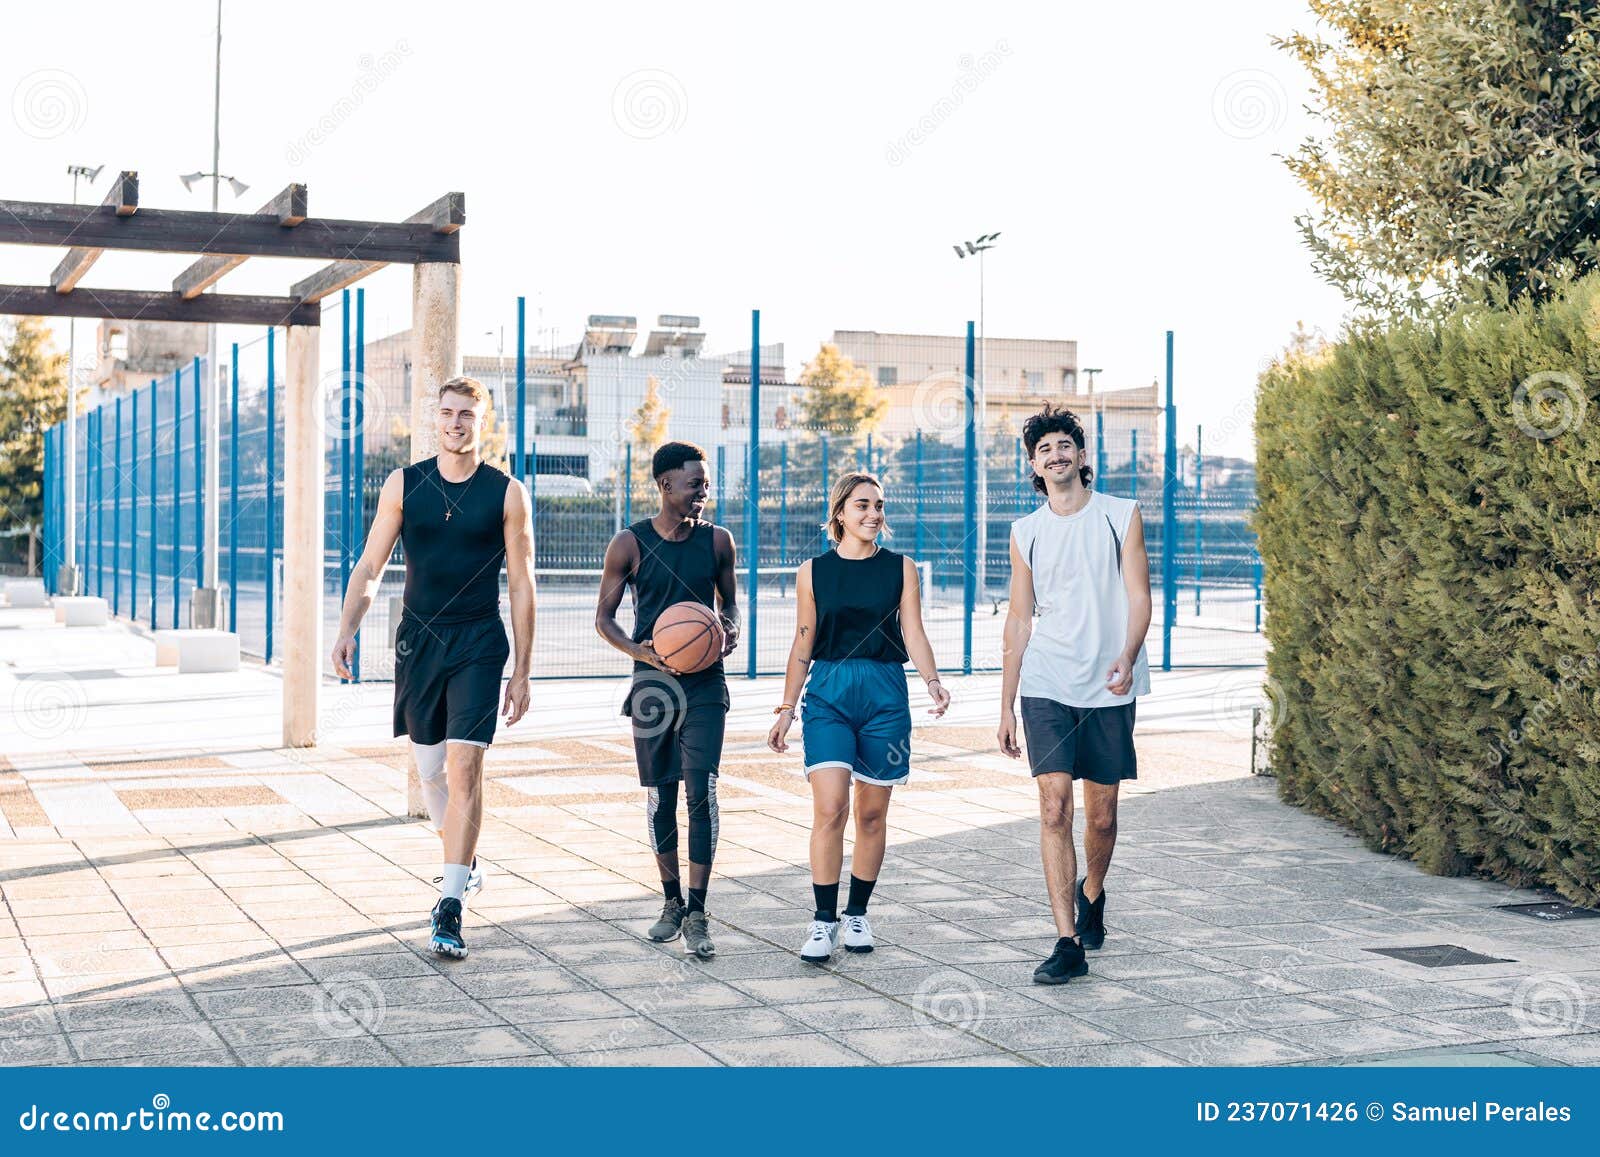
<point x="688" y="636"/>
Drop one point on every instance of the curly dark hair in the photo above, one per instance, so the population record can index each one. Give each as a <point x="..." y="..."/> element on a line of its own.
<point x="1054" y="419"/>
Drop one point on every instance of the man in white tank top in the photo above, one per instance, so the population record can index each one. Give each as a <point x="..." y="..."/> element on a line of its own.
<point x="1079" y="562"/>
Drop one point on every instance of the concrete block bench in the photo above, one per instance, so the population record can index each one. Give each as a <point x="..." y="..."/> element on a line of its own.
<point x="81" y="611"/>
<point x="192" y="651"/>
<point x="26" y="592"/>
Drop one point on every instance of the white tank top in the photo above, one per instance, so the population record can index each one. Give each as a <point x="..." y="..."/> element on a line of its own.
<point x="1082" y="605"/>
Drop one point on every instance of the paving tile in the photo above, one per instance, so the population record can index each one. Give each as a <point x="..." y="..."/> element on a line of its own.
<point x="1101" y="1056"/>
<point x="490" y="1044"/>
<point x="130" y="1012"/>
<point x="654" y="1056"/>
<point x="1156" y="1022"/>
<point x="1039" y="1032"/>
<point x="520" y="1010"/>
<point x="355" y="1051"/>
<point x="1233" y="1048"/>
<point x="599" y="1034"/>
<point x="784" y="1051"/>
<point x="718" y="1024"/>
<point x="889" y="1046"/>
<point x="164" y="1040"/>
<point x="34" y="1049"/>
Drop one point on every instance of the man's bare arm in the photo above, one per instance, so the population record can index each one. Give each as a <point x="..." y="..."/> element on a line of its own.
<point x="727" y="587"/>
<point x="519" y="578"/>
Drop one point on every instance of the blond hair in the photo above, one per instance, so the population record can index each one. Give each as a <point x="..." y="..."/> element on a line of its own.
<point x="471" y="387"/>
<point x="842" y="489"/>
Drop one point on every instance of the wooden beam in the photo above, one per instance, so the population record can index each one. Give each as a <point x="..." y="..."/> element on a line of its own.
<point x="182" y="231"/>
<point x="445" y="217"/>
<point x="288" y="208"/>
<point x="137" y="305"/>
<point x="123" y="200"/>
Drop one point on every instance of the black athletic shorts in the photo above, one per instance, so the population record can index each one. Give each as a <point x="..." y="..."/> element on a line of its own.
<point x="678" y="724"/>
<point x="447" y="679"/>
<point x="1092" y="743"/>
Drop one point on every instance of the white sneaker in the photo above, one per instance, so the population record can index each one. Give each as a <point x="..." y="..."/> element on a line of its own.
<point x="857" y="934"/>
<point x="821" y="939"/>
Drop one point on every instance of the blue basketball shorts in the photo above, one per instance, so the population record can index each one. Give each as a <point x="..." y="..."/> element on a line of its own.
<point x="856" y="714"/>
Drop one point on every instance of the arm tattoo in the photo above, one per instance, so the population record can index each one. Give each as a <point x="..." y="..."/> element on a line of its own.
<point x="803" y="631"/>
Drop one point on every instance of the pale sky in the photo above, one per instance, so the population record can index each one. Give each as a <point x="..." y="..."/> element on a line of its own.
<point x="709" y="159"/>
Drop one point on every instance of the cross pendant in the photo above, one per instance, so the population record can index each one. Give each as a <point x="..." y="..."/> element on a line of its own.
<point x="447" y="516"/>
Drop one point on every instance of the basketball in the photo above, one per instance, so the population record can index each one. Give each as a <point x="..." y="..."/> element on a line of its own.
<point x="688" y="637"/>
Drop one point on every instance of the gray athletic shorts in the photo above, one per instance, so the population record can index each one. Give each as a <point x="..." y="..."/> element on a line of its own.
<point x="1092" y="743"/>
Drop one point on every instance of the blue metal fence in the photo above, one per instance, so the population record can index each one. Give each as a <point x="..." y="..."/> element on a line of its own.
<point x="141" y="514"/>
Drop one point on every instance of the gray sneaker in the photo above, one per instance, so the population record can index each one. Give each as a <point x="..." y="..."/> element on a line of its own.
<point x="696" y="939"/>
<point x="666" y="928"/>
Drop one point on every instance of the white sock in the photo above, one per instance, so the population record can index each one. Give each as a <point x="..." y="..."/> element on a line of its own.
<point x="454" y="884"/>
<point x="435" y="785"/>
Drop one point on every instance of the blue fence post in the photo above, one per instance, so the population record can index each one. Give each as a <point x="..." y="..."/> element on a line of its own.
<point x="199" y="484"/>
<point x="1169" y="495"/>
<point x="969" y="559"/>
<point x="917" y="490"/>
<point x="519" y="465"/>
<point x="627" y="484"/>
<point x="869" y="454"/>
<point x="783" y="502"/>
<point x="272" y="458"/>
<point x="91" y="503"/>
<point x="155" y="531"/>
<point x="1133" y="466"/>
<point x="177" y="489"/>
<point x="722" y="485"/>
<point x="823" y="486"/>
<point x="233" y="492"/>
<point x="344" y="445"/>
<point x="752" y="491"/>
<point x="1199" y="515"/>
<point x="359" y="498"/>
<point x="116" y="511"/>
<point x="1100" y="453"/>
<point x="133" y="512"/>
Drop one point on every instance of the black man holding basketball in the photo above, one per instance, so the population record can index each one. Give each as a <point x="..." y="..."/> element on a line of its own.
<point x="679" y="715"/>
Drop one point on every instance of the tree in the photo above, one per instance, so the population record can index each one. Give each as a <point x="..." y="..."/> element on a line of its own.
<point x="1459" y="152"/>
<point x="647" y="429"/>
<point x="840" y="396"/>
<point x="33" y="397"/>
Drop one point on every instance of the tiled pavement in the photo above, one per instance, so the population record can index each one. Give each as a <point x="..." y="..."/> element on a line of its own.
<point x="168" y="897"/>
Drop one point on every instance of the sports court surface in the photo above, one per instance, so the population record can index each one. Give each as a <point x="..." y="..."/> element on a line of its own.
<point x="175" y="889"/>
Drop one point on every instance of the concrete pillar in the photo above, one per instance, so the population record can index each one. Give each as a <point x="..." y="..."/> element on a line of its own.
<point x="435" y="358"/>
<point x="303" y="469"/>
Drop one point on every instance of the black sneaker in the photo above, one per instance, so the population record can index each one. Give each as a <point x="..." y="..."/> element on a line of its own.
<point x="1065" y="962"/>
<point x="1091" y="918"/>
<point x="447" y="929"/>
<point x="671" y="922"/>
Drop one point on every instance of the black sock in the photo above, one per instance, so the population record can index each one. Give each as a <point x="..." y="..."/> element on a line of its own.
<point x="827" y="898"/>
<point x="697" y="899"/>
<point x="1066" y="942"/>
<point x="671" y="890"/>
<point x="860" y="893"/>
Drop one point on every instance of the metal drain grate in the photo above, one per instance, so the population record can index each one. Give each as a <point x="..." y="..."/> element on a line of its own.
<point x="1550" y="910"/>
<point x="1439" y="955"/>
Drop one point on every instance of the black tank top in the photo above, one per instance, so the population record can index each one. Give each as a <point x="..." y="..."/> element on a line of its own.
<point x="858" y="606"/>
<point x="454" y="538"/>
<point x="672" y="572"/>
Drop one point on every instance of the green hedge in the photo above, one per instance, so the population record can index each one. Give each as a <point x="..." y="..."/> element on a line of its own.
<point x="1428" y="523"/>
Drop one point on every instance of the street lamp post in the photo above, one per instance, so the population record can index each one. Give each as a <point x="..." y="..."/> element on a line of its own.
<point x="67" y="575"/>
<point x="964" y="250"/>
<point x="207" y="609"/>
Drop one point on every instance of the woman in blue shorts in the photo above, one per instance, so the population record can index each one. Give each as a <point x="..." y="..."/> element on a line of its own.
<point x="859" y="618"/>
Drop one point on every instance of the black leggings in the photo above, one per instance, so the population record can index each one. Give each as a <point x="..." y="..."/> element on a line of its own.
<point x="661" y="807"/>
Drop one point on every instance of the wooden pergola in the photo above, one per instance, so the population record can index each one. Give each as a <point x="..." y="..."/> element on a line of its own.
<point x="429" y="241"/>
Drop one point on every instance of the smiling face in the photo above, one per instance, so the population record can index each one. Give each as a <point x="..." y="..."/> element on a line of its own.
<point x="1058" y="459"/>
<point x="684" y="491"/>
<point x="460" y="422"/>
<point x="861" y="517"/>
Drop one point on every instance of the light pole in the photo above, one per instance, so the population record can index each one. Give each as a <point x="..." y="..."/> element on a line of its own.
<point x="67" y="575"/>
<point x="964" y="250"/>
<point x="207" y="608"/>
<point x="1094" y="405"/>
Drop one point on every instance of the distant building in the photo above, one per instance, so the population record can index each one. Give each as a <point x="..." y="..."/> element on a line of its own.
<point x="128" y="354"/>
